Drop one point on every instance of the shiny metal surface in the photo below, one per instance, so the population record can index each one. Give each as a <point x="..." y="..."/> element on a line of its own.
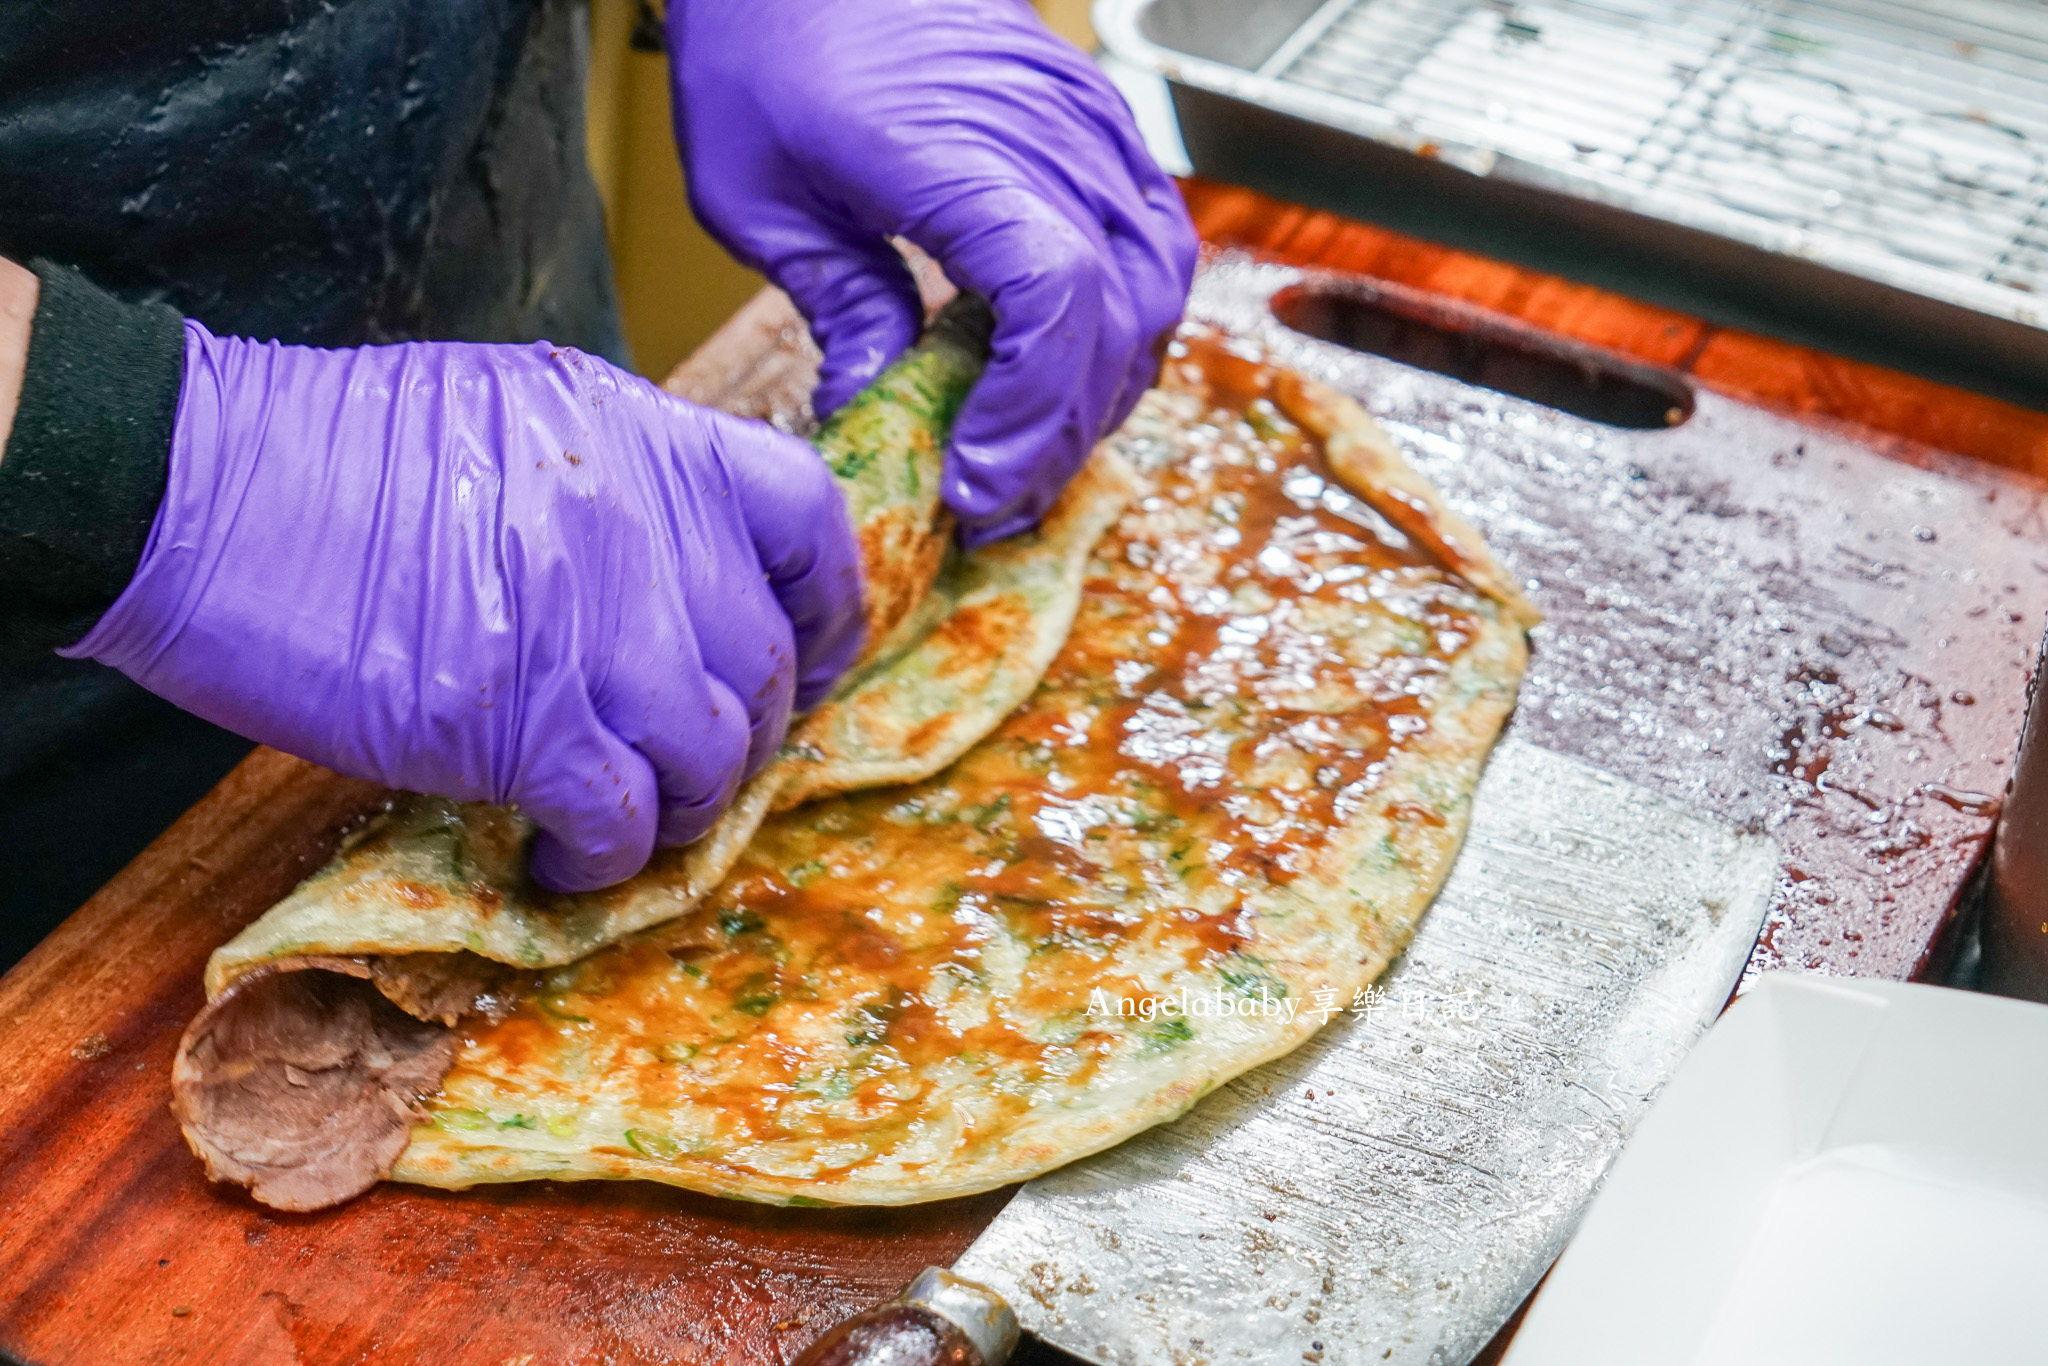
<point x="2013" y="930"/>
<point x="1392" y="1190"/>
<point x="1904" y="143"/>
<point x="974" y="1309"/>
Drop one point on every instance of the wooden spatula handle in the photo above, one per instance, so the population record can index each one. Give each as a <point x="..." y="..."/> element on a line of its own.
<point x="938" y="1320"/>
<point x="895" y="1335"/>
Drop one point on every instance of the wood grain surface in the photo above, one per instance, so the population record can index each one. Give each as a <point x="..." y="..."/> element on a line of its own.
<point x="113" y="1248"/>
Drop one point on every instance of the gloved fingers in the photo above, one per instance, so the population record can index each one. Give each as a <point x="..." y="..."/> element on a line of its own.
<point x="1147" y="230"/>
<point x="663" y="697"/>
<point x="862" y="305"/>
<point x="752" y="657"/>
<point x="1152" y="202"/>
<point x="1150" y="266"/>
<point x="701" y="765"/>
<point x="1108" y="399"/>
<point x="797" y="520"/>
<point x="1156" y="248"/>
<point x="1028" y="424"/>
<point x="748" y="648"/>
<point x="691" y="733"/>
<point x="1175" y="243"/>
<point x="597" y="811"/>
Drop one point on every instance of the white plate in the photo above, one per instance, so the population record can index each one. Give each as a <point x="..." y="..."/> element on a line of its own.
<point x="1842" y="1171"/>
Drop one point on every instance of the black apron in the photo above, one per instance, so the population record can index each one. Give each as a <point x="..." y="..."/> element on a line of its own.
<point x="334" y="172"/>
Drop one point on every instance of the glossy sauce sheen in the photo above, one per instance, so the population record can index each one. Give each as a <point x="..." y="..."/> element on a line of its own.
<point x="1253" y="644"/>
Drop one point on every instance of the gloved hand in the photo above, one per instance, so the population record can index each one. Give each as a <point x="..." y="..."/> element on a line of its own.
<point x="813" y="130"/>
<point x="511" y="573"/>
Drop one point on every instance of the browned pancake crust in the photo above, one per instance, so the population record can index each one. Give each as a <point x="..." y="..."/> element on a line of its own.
<point x="1256" y="652"/>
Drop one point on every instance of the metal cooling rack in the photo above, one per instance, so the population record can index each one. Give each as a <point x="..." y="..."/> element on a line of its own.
<point x="1905" y="142"/>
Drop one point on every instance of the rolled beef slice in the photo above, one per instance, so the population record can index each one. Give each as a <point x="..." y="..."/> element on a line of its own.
<point x="302" y="1081"/>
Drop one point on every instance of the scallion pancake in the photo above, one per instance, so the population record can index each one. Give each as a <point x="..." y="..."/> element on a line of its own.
<point x="330" y="1018"/>
<point x="1242" y="780"/>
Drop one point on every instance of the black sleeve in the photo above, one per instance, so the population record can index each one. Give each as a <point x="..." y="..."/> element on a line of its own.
<point x="85" y="464"/>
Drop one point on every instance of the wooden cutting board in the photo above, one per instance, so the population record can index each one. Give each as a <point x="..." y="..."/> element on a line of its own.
<point x="113" y="1249"/>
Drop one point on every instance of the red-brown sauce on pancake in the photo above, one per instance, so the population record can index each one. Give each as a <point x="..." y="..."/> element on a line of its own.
<point x="1252" y="644"/>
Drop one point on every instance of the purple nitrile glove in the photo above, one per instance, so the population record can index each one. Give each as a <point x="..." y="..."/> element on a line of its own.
<point x="814" y="130"/>
<point x="509" y="573"/>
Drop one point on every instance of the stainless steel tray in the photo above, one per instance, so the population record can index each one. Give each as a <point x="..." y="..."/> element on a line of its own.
<point x="1880" y="161"/>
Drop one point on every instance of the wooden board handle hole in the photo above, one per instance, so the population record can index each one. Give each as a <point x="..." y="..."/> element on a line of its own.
<point x="1485" y="349"/>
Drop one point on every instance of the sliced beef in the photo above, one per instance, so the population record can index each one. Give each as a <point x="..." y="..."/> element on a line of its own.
<point x="302" y="1082"/>
<point x="445" y="987"/>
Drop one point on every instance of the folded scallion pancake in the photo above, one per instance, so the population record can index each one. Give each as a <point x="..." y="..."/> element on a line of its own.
<point x="430" y="908"/>
<point x="436" y="876"/>
<point x="1220" y="815"/>
<point x="1242" y="778"/>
